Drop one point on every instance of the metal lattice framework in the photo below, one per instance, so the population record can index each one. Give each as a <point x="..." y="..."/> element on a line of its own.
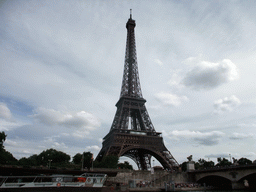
<point x="132" y="133"/>
<point x="131" y="82"/>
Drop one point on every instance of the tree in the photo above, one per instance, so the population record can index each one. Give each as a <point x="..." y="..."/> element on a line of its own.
<point x="110" y="162"/>
<point x="205" y="164"/>
<point x="197" y="165"/>
<point x="223" y="162"/>
<point x="24" y="161"/>
<point x="244" y="161"/>
<point x="125" y="165"/>
<point x="2" y="140"/>
<point x="77" y="159"/>
<point x="107" y="162"/>
<point x="184" y="166"/>
<point x="6" y="158"/>
<point x="31" y="161"/>
<point x="86" y="158"/>
<point x="52" y="156"/>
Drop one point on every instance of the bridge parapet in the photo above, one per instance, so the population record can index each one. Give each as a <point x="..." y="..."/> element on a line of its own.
<point x="233" y="167"/>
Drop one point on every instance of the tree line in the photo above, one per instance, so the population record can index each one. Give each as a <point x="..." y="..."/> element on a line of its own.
<point x="221" y="162"/>
<point x="52" y="158"/>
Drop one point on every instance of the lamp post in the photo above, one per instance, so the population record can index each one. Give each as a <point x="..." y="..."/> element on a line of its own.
<point x="154" y="171"/>
<point x="82" y="162"/>
<point x="50" y="163"/>
<point x="134" y="183"/>
<point x="92" y="162"/>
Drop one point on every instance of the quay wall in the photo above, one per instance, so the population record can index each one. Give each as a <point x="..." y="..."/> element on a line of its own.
<point x="158" y="178"/>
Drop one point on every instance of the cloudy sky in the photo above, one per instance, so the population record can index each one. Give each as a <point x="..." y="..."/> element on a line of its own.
<point x="62" y="63"/>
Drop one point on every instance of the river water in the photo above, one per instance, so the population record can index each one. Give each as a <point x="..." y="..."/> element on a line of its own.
<point x="202" y="191"/>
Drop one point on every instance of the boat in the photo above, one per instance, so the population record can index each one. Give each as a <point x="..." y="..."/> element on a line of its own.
<point x="85" y="182"/>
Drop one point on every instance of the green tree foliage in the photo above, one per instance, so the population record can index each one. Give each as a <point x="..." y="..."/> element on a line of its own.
<point x="77" y="159"/>
<point x="244" y="161"/>
<point x="184" y="166"/>
<point x="56" y="158"/>
<point x="86" y="158"/>
<point x="2" y="140"/>
<point x="223" y="162"/>
<point x="6" y="158"/>
<point x="52" y="156"/>
<point x="31" y="161"/>
<point x="197" y="165"/>
<point x="107" y="162"/>
<point x="125" y="165"/>
<point x="24" y="162"/>
<point x="110" y="162"/>
<point x="205" y="164"/>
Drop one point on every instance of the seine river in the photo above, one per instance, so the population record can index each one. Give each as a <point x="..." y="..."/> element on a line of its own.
<point x="203" y="191"/>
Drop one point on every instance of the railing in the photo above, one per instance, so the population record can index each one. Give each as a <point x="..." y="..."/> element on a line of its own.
<point x="54" y="180"/>
<point x="225" y="168"/>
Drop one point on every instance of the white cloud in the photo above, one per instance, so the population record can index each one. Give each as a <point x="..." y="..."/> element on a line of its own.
<point x="170" y="99"/>
<point x="228" y="155"/>
<point x="82" y="122"/>
<point x="251" y="154"/>
<point x="160" y="63"/>
<point x="8" y="125"/>
<point x="239" y="136"/>
<point x="203" y="138"/>
<point x="175" y="80"/>
<point x="23" y="148"/>
<point x="57" y="145"/>
<point x="6" y="120"/>
<point x="222" y="155"/>
<point x="93" y="148"/>
<point x="5" y="112"/>
<point x="11" y="143"/>
<point x="226" y="104"/>
<point x="208" y="75"/>
<point x="48" y="116"/>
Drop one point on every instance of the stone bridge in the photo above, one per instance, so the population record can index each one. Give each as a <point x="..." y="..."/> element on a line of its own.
<point x="231" y="177"/>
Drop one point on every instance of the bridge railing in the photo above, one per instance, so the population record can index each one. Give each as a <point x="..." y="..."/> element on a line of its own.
<point x="218" y="168"/>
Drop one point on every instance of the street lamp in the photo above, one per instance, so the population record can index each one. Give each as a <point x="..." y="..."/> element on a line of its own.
<point x="82" y="162"/>
<point x="154" y="171"/>
<point x="50" y="163"/>
<point x="92" y="162"/>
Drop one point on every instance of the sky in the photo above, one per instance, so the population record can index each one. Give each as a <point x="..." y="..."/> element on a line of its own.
<point x="62" y="64"/>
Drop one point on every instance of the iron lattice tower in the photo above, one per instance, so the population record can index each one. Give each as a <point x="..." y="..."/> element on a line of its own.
<point x="132" y="133"/>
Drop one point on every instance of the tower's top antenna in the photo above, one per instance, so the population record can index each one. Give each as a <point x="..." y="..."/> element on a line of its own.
<point x="130" y="13"/>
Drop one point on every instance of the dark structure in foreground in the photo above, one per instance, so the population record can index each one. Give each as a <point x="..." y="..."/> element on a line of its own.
<point x="132" y="133"/>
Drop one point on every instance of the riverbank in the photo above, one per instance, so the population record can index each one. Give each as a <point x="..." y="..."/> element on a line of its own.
<point x="157" y="189"/>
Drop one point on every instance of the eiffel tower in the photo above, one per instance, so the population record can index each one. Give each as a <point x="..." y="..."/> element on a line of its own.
<point x="132" y="133"/>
